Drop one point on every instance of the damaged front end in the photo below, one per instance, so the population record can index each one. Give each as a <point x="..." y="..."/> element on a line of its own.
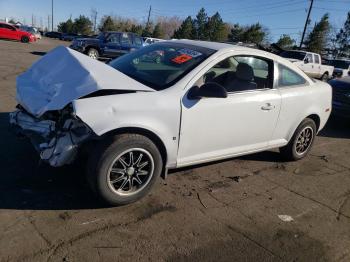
<point x="56" y="135"/>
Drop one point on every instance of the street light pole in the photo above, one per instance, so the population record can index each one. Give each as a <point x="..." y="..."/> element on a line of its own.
<point x="51" y="15"/>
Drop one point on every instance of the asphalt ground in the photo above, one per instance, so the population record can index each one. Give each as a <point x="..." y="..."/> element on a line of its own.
<point x="252" y="208"/>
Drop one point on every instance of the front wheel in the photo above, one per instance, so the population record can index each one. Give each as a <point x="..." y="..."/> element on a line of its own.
<point x="124" y="168"/>
<point x="93" y="53"/>
<point x="301" y="142"/>
<point x="25" y="39"/>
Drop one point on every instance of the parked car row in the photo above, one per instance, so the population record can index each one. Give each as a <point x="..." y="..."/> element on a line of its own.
<point x="11" y="32"/>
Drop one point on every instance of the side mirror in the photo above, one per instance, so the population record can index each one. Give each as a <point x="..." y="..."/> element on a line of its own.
<point x="210" y="89"/>
<point x="306" y="61"/>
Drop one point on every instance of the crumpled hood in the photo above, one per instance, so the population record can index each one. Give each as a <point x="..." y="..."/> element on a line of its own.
<point x="64" y="75"/>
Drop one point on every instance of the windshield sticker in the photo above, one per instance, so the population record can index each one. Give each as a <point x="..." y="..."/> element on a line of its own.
<point x="181" y="59"/>
<point x="190" y="52"/>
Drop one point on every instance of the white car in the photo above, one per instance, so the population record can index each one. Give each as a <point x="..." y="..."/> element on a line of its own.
<point x="137" y="118"/>
<point x="30" y="29"/>
<point x="310" y="63"/>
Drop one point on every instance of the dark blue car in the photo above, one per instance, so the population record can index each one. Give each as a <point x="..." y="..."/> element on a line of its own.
<point x="341" y="96"/>
<point x="108" y="44"/>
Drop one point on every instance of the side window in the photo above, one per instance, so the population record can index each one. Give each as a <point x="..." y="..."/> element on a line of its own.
<point x="137" y="41"/>
<point x="242" y="73"/>
<point x="317" y="59"/>
<point x="8" y="27"/>
<point x="309" y="58"/>
<point x="125" y="39"/>
<point x="113" y="38"/>
<point x="288" y="77"/>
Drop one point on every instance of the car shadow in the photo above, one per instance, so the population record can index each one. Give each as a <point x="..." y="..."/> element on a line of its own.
<point x="336" y="127"/>
<point x="38" y="53"/>
<point x="27" y="184"/>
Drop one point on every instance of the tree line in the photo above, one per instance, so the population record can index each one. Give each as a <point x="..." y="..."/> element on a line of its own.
<point x="321" y="36"/>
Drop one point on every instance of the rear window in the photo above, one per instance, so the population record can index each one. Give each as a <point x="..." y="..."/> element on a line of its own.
<point x="288" y="77"/>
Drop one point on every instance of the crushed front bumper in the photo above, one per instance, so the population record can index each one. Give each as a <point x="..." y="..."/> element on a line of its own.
<point x="56" y="143"/>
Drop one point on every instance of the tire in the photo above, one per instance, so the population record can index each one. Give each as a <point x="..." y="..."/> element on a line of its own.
<point x="115" y="153"/>
<point x="93" y="53"/>
<point x="25" y="39"/>
<point x="324" y="77"/>
<point x="300" y="144"/>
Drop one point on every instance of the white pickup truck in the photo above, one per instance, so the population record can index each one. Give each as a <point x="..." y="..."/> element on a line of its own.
<point x="310" y="63"/>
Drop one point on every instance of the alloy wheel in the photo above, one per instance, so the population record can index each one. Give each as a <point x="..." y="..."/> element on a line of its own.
<point x="130" y="172"/>
<point x="304" y="140"/>
<point x="93" y="54"/>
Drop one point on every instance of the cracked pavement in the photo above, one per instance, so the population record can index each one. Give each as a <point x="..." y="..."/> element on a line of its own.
<point x="223" y="211"/>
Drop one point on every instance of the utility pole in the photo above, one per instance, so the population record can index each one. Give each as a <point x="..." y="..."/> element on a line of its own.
<point x="32" y="20"/>
<point x="306" y="23"/>
<point x="48" y="23"/>
<point x="51" y="15"/>
<point x="149" y="15"/>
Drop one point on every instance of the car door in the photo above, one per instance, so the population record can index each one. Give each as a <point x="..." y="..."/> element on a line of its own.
<point x="125" y="43"/>
<point x="137" y="42"/>
<point x="317" y="66"/>
<point x="9" y="32"/>
<point x="3" y="32"/>
<point x="112" y="45"/>
<point x="215" y="128"/>
<point x="308" y="67"/>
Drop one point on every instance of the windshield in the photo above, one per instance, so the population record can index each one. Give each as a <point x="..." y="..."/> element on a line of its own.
<point x="293" y="55"/>
<point x="161" y="65"/>
<point x="340" y="64"/>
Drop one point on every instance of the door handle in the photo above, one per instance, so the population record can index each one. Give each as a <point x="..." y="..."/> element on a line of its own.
<point x="267" y="107"/>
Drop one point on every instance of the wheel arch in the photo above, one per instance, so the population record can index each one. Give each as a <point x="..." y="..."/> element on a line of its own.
<point x="316" y="118"/>
<point x="144" y="132"/>
<point x="94" y="47"/>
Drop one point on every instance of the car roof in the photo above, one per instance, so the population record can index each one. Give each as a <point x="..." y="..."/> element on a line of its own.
<point x="345" y="79"/>
<point x="341" y="59"/>
<point x="7" y="23"/>
<point x="211" y="45"/>
<point x="224" y="47"/>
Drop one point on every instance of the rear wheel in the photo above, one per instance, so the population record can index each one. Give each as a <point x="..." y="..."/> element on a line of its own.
<point x="25" y="39"/>
<point x="124" y="168"/>
<point x="325" y="77"/>
<point x="301" y="142"/>
<point x="93" y="53"/>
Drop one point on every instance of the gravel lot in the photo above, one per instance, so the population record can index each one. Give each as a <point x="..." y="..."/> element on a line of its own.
<point x="226" y="211"/>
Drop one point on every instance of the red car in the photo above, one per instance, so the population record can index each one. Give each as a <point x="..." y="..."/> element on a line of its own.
<point x="8" y="31"/>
